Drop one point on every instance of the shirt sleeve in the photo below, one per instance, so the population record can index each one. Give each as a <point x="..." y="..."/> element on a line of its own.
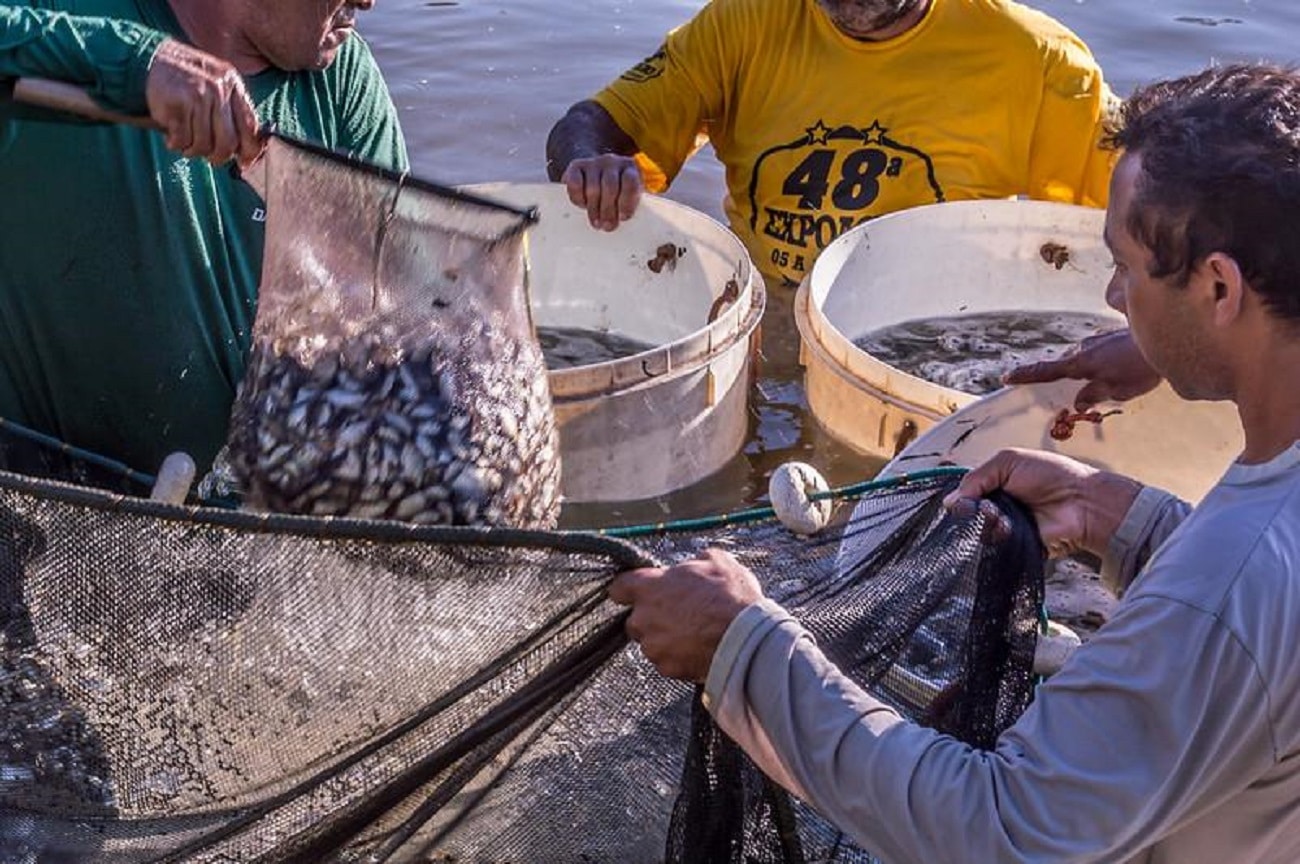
<point x="110" y="58"/>
<point x="1113" y="753"/>
<point x="1068" y="161"/>
<point x="1150" y="519"/>
<point x="666" y="102"/>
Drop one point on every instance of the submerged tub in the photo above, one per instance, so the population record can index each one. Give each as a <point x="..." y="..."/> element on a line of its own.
<point x="647" y="424"/>
<point x="1159" y="438"/>
<point x="938" y="261"/>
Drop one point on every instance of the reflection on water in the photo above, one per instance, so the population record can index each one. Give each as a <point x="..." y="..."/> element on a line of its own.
<point x="479" y="83"/>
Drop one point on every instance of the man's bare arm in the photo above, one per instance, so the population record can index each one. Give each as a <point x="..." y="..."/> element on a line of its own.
<point x="592" y="156"/>
<point x="585" y="131"/>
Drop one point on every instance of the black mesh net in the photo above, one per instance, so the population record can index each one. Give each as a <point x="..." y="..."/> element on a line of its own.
<point x="184" y="684"/>
<point x="934" y="615"/>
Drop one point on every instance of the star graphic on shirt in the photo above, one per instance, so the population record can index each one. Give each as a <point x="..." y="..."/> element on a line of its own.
<point x="875" y="133"/>
<point x="817" y="133"/>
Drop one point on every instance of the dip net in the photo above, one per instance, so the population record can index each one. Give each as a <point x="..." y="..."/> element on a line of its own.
<point x="394" y="372"/>
<point x="196" y="684"/>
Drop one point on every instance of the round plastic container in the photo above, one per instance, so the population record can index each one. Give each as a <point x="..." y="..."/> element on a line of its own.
<point x="654" y="422"/>
<point x="942" y="260"/>
<point x="1159" y="438"/>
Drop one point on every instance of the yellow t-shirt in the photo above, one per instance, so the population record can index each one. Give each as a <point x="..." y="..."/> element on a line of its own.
<point x="820" y="132"/>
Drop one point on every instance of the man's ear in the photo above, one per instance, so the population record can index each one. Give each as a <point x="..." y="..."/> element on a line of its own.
<point x="1221" y="275"/>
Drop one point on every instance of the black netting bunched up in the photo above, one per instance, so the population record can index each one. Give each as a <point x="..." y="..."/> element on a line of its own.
<point x="193" y="684"/>
<point x="935" y="615"/>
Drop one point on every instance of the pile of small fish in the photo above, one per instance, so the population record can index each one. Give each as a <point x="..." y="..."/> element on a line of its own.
<point x="451" y="434"/>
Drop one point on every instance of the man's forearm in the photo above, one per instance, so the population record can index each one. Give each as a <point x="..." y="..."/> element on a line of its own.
<point x="1075" y="779"/>
<point x="109" y="58"/>
<point x="1150" y="520"/>
<point x="586" y="130"/>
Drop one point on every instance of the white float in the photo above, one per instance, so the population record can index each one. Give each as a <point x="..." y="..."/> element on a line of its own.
<point x="942" y="260"/>
<point x="791" y="489"/>
<point x="645" y="425"/>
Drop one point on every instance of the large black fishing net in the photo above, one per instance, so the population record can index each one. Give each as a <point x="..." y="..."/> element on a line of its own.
<point x="193" y="684"/>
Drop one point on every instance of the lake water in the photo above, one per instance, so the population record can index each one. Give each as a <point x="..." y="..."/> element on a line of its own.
<point x="480" y="82"/>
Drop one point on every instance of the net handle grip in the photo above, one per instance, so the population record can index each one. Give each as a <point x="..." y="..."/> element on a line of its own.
<point x="71" y="99"/>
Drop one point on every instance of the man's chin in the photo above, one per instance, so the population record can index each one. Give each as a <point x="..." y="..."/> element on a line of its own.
<point x="1197" y="392"/>
<point x="323" y="59"/>
<point x="329" y="49"/>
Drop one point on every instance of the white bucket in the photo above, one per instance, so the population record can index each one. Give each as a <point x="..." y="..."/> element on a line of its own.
<point x="942" y="260"/>
<point x="1160" y="439"/>
<point x="649" y="424"/>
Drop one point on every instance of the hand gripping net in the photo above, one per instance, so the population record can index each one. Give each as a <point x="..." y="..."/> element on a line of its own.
<point x="189" y="684"/>
<point x="394" y="372"/>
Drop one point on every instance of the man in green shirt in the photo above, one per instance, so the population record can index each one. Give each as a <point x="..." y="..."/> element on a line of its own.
<point x="129" y="260"/>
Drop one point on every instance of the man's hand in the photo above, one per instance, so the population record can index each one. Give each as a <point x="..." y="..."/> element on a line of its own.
<point x="1110" y="362"/>
<point x="608" y="187"/>
<point x="202" y="106"/>
<point x="680" y="613"/>
<point x="593" y="157"/>
<point x="1076" y="506"/>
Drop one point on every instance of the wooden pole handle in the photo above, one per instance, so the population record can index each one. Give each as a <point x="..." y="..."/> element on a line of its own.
<point x="71" y="99"/>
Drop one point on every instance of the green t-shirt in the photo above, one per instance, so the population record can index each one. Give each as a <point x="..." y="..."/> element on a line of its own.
<point x="128" y="274"/>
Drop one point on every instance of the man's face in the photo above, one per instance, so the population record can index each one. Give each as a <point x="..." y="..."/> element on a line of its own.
<point x="301" y="34"/>
<point x="1170" y="331"/>
<point x="863" y="19"/>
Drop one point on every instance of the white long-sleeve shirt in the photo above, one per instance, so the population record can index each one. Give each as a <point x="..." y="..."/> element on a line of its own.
<point x="1172" y="735"/>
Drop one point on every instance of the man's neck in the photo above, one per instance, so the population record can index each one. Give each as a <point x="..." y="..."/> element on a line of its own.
<point x="906" y="22"/>
<point x="1268" y="399"/>
<point x="213" y="26"/>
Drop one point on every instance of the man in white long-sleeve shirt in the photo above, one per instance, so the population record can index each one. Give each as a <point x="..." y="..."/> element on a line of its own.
<point x="1174" y="734"/>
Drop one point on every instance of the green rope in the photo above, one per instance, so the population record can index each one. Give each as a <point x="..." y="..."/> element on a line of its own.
<point x="112" y="466"/>
<point x="757" y="514"/>
<point x="52" y="443"/>
<point x="739" y="517"/>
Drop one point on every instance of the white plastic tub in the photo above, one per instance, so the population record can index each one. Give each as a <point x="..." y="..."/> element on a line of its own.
<point x="964" y="257"/>
<point x="645" y="425"/>
<point x="1159" y="439"/>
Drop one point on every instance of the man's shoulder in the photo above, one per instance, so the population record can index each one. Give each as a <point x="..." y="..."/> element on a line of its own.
<point x="353" y="79"/>
<point x="354" y="59"/>
<point x="1016" y="24"/>
<point x="1240" y="546"/>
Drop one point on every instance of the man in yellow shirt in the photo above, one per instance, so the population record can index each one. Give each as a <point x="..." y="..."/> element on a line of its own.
<point x="827" y="113"/>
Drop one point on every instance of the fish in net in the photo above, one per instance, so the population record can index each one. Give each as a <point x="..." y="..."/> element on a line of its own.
<point x="394" y="371"/>
<point x="195" y="684"/>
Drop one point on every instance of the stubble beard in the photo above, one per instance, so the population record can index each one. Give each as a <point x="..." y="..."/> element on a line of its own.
<point x="864" y="16"/>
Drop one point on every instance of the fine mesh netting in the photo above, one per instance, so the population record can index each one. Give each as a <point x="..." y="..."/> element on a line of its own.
<point x="394" y="373"/>
<point x="188" y="684"/>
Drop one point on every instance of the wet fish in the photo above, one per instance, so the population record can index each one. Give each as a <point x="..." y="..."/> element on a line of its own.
<point x="456" y="433"/>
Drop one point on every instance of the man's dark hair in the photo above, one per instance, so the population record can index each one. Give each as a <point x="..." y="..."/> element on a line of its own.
<point x="1220" y="157"/>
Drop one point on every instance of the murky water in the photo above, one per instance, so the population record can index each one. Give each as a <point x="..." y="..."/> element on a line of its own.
<point x="971" y="353"/>
<point x="568" y="347"/>
<point x="480" y="82"/>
